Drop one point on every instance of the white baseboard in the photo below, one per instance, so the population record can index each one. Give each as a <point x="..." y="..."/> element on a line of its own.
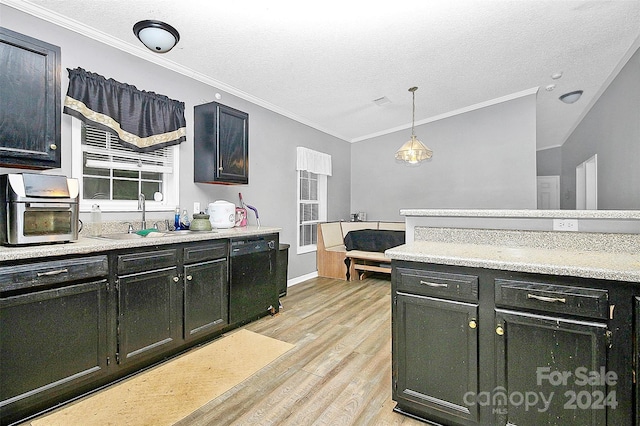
<point x="302" y="278"/>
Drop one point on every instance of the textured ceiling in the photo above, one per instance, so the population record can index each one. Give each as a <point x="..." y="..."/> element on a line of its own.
<point x="323" y="63"/>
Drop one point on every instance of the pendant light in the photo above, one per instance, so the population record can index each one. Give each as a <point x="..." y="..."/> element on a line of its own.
<point x="413" y="151"/>
<point x="156" y="35"/>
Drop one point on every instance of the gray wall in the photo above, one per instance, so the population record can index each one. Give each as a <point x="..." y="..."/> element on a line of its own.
<point x="549" y="161"/>
<point x="272" y="137"/>
<point x="611" y="130"/>
<point x="485" y="158"/>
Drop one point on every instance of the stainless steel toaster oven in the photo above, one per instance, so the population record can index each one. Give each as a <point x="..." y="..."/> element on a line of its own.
<point x="38" y="208"/>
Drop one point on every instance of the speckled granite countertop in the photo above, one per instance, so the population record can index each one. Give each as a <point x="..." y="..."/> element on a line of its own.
<point x="88" y="245"/>
<point x="566" y="214"/>
<point x="578" y="263"/>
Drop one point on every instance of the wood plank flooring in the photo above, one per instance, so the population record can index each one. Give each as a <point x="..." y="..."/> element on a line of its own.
<point x="339" y="373"/>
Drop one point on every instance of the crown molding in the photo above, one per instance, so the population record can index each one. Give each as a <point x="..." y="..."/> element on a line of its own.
<point x="144" y="53"/>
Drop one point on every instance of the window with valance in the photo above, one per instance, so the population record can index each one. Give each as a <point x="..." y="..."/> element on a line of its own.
<point x="143" y="121"/>
<point x="313" y="168"/>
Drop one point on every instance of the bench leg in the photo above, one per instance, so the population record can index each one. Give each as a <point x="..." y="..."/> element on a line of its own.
<point x="347" y="262"/>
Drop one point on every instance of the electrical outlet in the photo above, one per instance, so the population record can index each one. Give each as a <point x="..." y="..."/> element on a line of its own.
<point x="565" y="225"/>
<point x="196" y="207"/>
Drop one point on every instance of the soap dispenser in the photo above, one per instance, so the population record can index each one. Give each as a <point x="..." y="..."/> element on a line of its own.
<point x="176" y="221"/>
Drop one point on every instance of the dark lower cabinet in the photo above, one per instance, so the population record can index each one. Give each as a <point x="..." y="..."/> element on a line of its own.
<point x="206" y="289"/>
<point x="636" y="355"/>
<point x="53" y="336"/>
<point x="533" y="350"/>
<point x="205" y="298"/>
<point x="147" y="314"/>
<point x="147" y="289"/>
<point x="542" y="369"/>
<point x="73" y="324"/>
<point x="436" y="357"/>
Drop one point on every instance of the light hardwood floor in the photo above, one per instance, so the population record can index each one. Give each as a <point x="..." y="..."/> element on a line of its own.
<point x="339" y="373"/>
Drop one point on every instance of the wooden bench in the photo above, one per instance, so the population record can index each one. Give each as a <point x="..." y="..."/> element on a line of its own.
<point x="333" y="259"/>
<point x="364" y="262"/>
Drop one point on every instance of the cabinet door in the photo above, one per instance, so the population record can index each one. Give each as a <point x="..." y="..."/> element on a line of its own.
<point x="435" y="358"/>
<point x="636" y="355"/>
<point x="233" y="145"/>
<point x="542" y="358"/>
<point x="29" y="102"/>
<point x="221" y="144"/>
<point x="205" y="298"/>
<point x="147" y="314"/>
<point x="51" y="342"/>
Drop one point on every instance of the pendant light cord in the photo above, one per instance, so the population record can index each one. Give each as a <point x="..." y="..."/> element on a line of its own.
<point x="413" y="117"/>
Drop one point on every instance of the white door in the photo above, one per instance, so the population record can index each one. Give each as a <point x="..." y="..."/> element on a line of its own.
<point x="587" y="184"/>
<point x="548" y="192"/>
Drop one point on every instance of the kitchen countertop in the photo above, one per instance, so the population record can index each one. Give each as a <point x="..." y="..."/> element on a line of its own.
<point x="88" y="245"/>
<point x="578" y="263"/>
<point x="504" y="213"/>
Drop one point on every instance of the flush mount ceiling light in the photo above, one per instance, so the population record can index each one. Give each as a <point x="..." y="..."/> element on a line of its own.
<point x="156" y="35"/>
<point x="413" y="151"/>
<point x="571" y="97"/>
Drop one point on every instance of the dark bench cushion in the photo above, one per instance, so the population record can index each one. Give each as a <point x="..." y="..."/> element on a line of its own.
<point x="377" y="240"/>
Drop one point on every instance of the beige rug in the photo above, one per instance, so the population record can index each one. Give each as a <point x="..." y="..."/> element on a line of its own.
<point x="173" y="390"/>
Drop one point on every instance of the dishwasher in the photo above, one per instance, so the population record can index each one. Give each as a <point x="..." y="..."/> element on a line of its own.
<point x="252" y="283"/>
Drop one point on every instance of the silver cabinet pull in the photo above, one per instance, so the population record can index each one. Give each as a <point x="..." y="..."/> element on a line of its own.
<point x="430" y="284"/>
<point x="547" y="299"/>
<point x="176" y="279"/>
<point x="189" y="277"/>
<point x="56" y="272"/>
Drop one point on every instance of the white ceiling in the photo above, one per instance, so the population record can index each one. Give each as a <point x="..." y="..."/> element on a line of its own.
<point x="323" y="63"/>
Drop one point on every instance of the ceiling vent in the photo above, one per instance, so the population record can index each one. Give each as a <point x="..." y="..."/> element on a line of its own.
<point x="381" y="101"/>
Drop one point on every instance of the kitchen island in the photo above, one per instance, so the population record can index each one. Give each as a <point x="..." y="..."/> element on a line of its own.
<point x="78" y="316"/>
<point x="498" y="319"/>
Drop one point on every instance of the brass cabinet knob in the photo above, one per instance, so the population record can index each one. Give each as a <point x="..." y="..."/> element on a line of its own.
<point x="53" y="147"/>
<point x="473" y="324"/>
<point x="176" y="279"/>
<point x="499" y="331"/>
<point x="189" y="277"/>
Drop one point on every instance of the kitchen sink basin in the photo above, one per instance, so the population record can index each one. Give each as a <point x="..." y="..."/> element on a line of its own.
<point x="189" y="231"/>
<point x="134" y="236"/>
<point x="123" y="236"/>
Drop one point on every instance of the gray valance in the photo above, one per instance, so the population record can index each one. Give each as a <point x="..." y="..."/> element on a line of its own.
<point x="143" y="121"/>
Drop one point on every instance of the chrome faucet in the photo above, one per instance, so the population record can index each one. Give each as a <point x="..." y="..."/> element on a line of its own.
<point x="141" y="206"/>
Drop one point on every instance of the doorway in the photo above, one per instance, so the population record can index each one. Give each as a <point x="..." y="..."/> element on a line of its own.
<point x="587" y="184"/>
<point x="548" y="192"/>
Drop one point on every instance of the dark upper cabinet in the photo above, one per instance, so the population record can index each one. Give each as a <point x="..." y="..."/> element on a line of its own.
<point x="221" y="144"/>
<point x="30" y="104"/>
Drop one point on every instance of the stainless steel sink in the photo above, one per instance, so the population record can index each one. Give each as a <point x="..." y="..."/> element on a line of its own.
<point x="134" y="236"/>
<point x="123" y="236"/>
<point x="189" y="231"/>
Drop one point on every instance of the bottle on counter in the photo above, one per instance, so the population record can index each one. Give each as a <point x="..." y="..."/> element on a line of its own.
<point x="96" y="219"/>
<point x="184" y="221"/>
<point x="176" y="223"/>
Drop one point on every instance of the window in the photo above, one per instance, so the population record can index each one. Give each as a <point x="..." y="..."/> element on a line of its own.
<point x="313" y="168"/>
<point x="114" y="174"/>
